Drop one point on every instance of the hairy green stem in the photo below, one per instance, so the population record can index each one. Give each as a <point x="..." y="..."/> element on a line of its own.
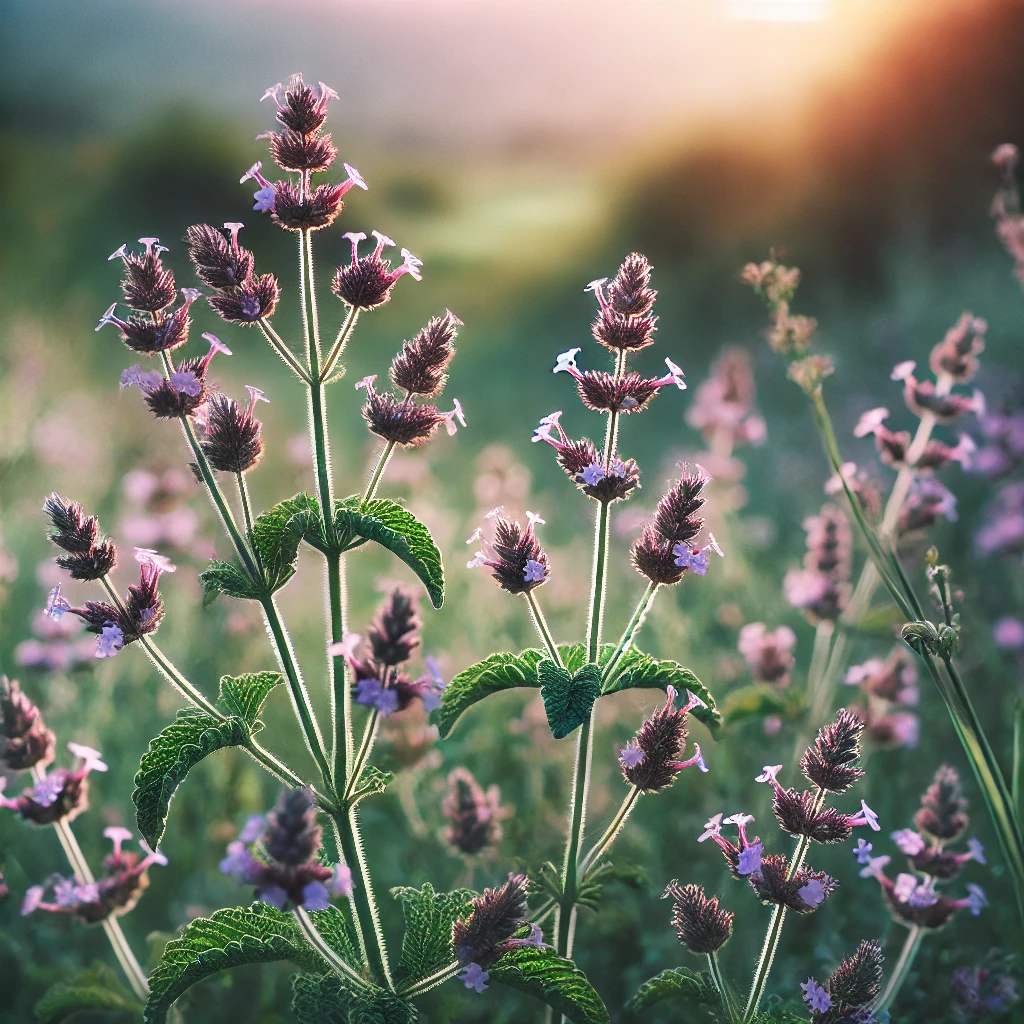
<point x="378" y="471"/>
<point x="363" y="756"/>
<point x="317" y="941"/>
<point x="347" y="833"/>
<point x="340" y="342"/>
<point x="276" y="342"/>
<point x="1018" y="758"/>
<point x="635" y="623"/>
<point x="431" y="981"/>
<point x="719" y="979"/>
<point x="901" y="971"/>
<point x="611" y="833"/>
<point x="297" y="688"/>
<point x="243" y="496"/>
<point x="542" y="628"/>
<point x="111" y="926"/>
<point x="778" y="918"/>
<point x="341" y="691"/>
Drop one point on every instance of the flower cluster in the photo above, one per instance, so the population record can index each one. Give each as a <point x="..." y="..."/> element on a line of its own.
<point x="379" y="681"/>
<point x="701" y="925"/>
<point x="513" y="553"/>
<point x="822" y="587"/>
<point x="367" y="281"/>
<point x="983" y="991"/>
<point x="420" y="370"/>
<point x="723" y="406"/>
<point x="112" y="895"/>
<point x="913" y="897"/>
<point x="490" y="930"/>
<point x="769" y="654"/>
<point x="889" y="688"/>
<point x="790" y="334"/>
<point x="25" y="741"/>
<point x="651" y="760"/>
<point x="279" y="856"/>
<point x="851" y="990"/>
<point x="59" y="795"/>
<point x="474" y="815"/>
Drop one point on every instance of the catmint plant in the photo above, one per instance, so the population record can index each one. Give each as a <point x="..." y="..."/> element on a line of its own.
<point x="572" y="677"/>
<point x="304" y="863"/>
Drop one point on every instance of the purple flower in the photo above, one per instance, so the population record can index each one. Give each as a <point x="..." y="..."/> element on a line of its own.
<point x="977" y="899"/>
<point x="56" y="605"/>
<point x="374" y="695"/>
<point x="46" y="791"/>
<point x="712" y="828"/>
<point x="816" y="998"/>
<point x="750" y="860"/>
<point x="769" y="774"/>
<point x="566" y="362"/>
<point x="909" y="841"/>
<point x="863" y="851"/>
<point x="136" y="377"/>
<point x="239" y="862"/>
<point x="474" y="977"/>
<point x="691" y="558"/>
<point x="275" y="896"/>
<point x="341" y="883"/>
<point x="1008" y="633"/>
<point x="186" y="382"/>
<point x="593" y="474"/>
<point x="534" y="571"/>
<point x="813" y="893"/>
<point x="866" y="817"/>
<point x="631" y="755"/>
<point x="976" y="850"/>
<point x="875" y="866"/>
<point x="253" y="829"/>
<point x="316" y="896"/>
<point x="110" y="641"/>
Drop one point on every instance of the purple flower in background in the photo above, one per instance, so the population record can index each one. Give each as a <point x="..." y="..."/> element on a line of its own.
<point x="910" y="842"/>
<point x="1008" y="633"/>
<point x="862" y="851"/>
<point x="816" y="998"/>
<point x="474" y="977"/>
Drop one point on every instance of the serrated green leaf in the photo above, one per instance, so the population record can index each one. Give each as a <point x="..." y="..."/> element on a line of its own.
<point x="596" y="878"/>
<point x="182" y="745"/>
<point x="338" y="930"/>
<point x="228" y="578"/>
<point x="397" y="529"/>
<point x="753" y="701"/>
<point x="503" y="671"/>
<point x="640" y="671"/>
<point x="429" y="918"/>
<point x="568" y="699"/>
<point x="228" y="938"/>
<point x="277" y="533"/>
<point x="557" y="982"/>
<point x="675" y="983"/>
<point x="244" y="695"/>
<point x="326" y="999"/>
<point x="98" y="988"/>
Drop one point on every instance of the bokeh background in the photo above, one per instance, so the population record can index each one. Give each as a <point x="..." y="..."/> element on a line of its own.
<point x="519" y="149"/>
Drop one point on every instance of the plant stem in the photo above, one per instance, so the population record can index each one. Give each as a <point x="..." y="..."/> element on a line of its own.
<point x="378" y="472"/>
<point x="318" y="942"/>
<point x="432" y="981"/>
<point x="1018" y="757"/>
<point x="565" y="923"/>
<point x="600" y="581"/>
<point x="278" y="345"/>
<point x="818" y="696"/>
<point x="624" y="644"/>
<point x="543" y="629"/>
<point x="611" y="833"/>
<point x="771" y="939"/>
<point x="297" y="688"/>
<point x="340" y="342"/>
<point x="365" y="746"/>
<point x="911" y="945"/>
<point x="111" y="926"/>
<point x="243" y="495"/>
<point x="341" y="692"/>
<point x="715" y="970"/>
<point x="347" y="832"/>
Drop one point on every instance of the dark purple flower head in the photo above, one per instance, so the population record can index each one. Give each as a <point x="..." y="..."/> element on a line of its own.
<point x="514" y="554"/>
<point x="822" y="587"/>
<point x="856" y="982"/>
<point x="420" y="368"/>
<point x="924" y="397"/>
<point x="300" y="107"/>
<point x="181" y="394"/>
<point x="25" y="741"/>
<point x="677" y="517"/>
<point x="768" y="653"/>
<point x="161" y="332"/>
<point x="488" y="932"/>
<point x="296" y="209"/>
<point x="404" y="421"/>
<point x="700" y="924"/>
<point x="605" y="392"/>
<point x="394" y="634"/>
<point x="295" y="151"/>
<point x="943" y="813"/>
<point x="652" y="760"/>
<point x="956" y="355"/>
<point x="148" y="286"/>
<point x="803" y="892"/>
<point x="253" y="300"/>
<point x="218" y="261"/>
<point x="983" y="991"/>
<point x="367" y="281"/>
<point x="926" y="501"/>
<point x="623" y="322"/>
<point x="88" y="555"/>
<point x="474" y="815"/>
<point x="233" y="437"/>
<point x="62" y="793"/>
<point x="830" y="762"/>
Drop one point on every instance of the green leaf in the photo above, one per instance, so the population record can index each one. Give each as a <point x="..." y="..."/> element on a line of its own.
<point x="559" y="983"/>
<point x="429" y="918"/>
<point x="98" y="989"/>
<point x="373" y="780"/>
<point x="228" y="578"/>
<point x="243" y="696"/>
<point x="640" y="671"/>
<point x="398" y="530"/>
<point x="338" y="930"/>
<point x="277" y="533"/>
<point x="754" y="701"/>
<point x="171" y="754"/>
<point x="228" y="938"/>
<point x="675" y="983"/>
<point x="568" y="699"/>
<point x="495" y="673"/>
<point x="596" y="878"/>
<point x="326" y="999"/>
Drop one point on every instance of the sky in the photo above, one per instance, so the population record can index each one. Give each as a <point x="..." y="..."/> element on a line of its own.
<point x="487" y="76"/>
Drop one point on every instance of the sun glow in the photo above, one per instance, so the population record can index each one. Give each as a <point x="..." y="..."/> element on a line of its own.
<point x="776" y="10"/>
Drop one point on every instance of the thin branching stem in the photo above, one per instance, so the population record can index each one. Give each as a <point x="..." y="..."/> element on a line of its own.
<point x="320" y="944"/>
<point x="431" y="981"/>
<point x="601" y="847"/>
<point x="724" y="992"/>
<point x="378" y="472"/>
<point x="543" y="629"/>
<point x="630" y="632"/>
<point x="338" y="348"/>
<point x="900" y="973"/>
<point x="363" y="754"/>
<point x="278" y="345"/>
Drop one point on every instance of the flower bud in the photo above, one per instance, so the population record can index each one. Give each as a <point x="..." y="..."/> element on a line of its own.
<point x="701" y="926"/>
<point x="89" y="556"/>
<point x="233" y="439"/>
<point x="419" y="369"/>
<point x="943" y="813"/>
<point x="474" y="816"/>
<point x="830" y="761"/>
<point x="496" y="916"/>
<point x="25" y="742"/>
<point x="218" y="262"/>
